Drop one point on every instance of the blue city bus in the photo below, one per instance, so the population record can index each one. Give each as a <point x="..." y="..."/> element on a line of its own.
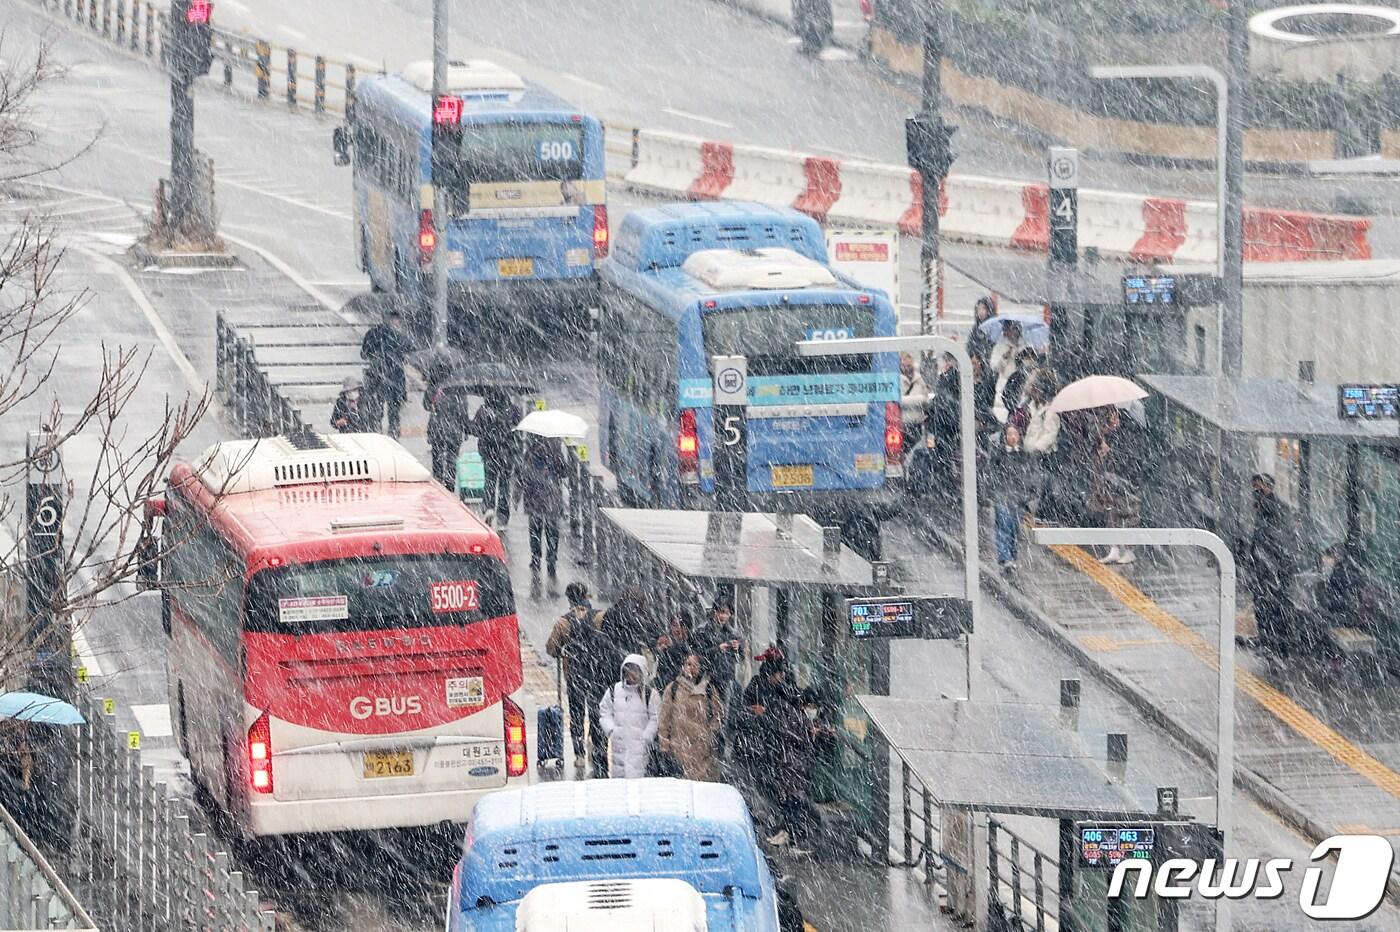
<point x="687" y="282"/>
<point x="526" y="196"/>
<point x="640" y="852"/>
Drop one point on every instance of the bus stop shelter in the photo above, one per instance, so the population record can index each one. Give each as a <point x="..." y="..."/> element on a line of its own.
<point x="1208" y="429"/>
<point x="788" y="578"/>
<point x="973" y="759"/>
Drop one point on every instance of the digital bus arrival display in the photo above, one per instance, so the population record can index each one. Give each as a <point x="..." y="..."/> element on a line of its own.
<point x="1367" y="402"/>
<point x="1105" y="846"/>
<point x="1149" y="289"/>
<point x="890" y="618"/>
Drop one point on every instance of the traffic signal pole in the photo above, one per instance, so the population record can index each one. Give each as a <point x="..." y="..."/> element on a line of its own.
<point x="927" y="139"/>
<point x="439" y="193"/>
<point x="179" y="212"/>
<point x="190" y="56"/>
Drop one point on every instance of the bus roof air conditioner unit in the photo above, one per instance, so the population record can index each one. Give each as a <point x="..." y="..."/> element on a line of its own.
<point x="769" y="268"/>
<point x="275" y="462"/>
<point x="465" y="77"/>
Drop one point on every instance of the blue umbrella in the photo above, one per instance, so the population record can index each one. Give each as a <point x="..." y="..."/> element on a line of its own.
<point x="32" y="707"/>
<point x="1033" y="329"/>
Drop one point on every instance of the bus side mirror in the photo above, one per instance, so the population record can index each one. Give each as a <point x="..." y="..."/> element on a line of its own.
<point x="340" y="144"/>
<point x="148" y="546"/>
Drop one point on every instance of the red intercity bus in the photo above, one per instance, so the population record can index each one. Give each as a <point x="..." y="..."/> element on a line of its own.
<point x="343" y="644"/>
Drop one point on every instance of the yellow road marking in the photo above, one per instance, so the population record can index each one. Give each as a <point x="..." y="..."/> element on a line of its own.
<point x="1300" y="720"/>
<point x="1101" y="642"/>
<point x="1359" y="828"/>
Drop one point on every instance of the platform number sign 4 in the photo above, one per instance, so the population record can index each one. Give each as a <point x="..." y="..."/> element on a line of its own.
<point x="455" y="596"/>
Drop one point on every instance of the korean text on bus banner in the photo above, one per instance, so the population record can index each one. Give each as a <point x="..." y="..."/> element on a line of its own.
<point x="305" y="609"/>
<point x="861" y="387"/>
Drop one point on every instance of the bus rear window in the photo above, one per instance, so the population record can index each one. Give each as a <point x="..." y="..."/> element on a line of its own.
<point x="494" y="153"/>
<point x="766" y="335"/>
<point x="377" y="593"/>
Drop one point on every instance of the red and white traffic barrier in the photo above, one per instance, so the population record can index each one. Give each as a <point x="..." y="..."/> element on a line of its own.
<point x="991" y="211"/>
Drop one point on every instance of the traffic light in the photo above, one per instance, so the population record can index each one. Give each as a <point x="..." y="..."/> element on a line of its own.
<point x="447" y="138"/>
<point x="192" y="48"/>
<point x="930" y="145"/>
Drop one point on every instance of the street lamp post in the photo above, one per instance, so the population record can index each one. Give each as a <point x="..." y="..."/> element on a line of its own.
<point x="1229" y="199"/>
<point x="918" y="344"/>
<point x="1225" y="717"/>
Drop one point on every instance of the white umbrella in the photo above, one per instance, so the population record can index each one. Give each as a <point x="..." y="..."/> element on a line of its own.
<point x="1096" y="391"/>
<point x="557" y="424"/>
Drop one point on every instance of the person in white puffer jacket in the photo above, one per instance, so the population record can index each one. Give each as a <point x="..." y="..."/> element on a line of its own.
<point x="630" y="712"/>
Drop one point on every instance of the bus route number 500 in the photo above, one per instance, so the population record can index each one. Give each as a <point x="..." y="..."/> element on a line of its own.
<point x="456" y="596"/>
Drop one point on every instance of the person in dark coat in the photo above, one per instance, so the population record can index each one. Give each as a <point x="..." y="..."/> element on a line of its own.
<point x="499" y="446"/>
<point x="718" y="644"/>
<point x="542" y="472"/>
<point x="977" y="340"/>
<point x="1011" y="482"/>
<point x="447" y="428"/>
<point x="780" y="753"/>
<point x="385" y="349"/>
<point x="1026" y="363"/>
<point x="672" y="648"/>
<point x="590" y="661"/>
<point x="349" y="416"/>
<point x="1272" y="549"/>
<point x="628" y="622"/>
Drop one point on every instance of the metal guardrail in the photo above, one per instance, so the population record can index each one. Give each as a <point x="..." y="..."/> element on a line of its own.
<point x="138" y="25"/>
<point x="1026" y="898"/>
<point x="32" y="895"/>
<point x="136" y="858"/>
<point x="257" y="407"/>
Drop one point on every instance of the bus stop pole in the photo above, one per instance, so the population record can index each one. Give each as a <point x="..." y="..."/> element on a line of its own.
<point x="439" y="195"/>
<point x="918" y="344"/>
<point x="1225" y="721"/>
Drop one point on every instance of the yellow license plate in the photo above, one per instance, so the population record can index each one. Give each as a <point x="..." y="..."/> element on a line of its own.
<point x="515" y="268"/>
<point x="388" y="764"/>
<point x="792" y="476"/>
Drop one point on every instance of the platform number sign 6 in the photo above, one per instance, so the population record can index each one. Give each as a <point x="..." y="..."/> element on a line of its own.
<point x="455" y="596"/>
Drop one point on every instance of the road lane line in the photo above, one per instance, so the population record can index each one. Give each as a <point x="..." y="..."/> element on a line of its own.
<point x="569" y="76"/>
<point x="686" y="115"/>
<point x="1286" y="710"/>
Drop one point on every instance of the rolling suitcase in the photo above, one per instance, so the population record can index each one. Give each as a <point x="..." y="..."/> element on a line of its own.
<point x="549" y="735"/>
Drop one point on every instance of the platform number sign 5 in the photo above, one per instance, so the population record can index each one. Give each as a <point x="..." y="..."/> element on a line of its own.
<point x="455" y="596"/>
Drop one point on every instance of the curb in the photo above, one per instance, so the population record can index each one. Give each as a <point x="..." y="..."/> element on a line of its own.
<point x="1261" y="790"/>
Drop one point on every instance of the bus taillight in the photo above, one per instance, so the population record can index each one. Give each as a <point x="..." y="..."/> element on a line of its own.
<point x="688" y="448"/>
<point x="600" y="231"/>
<point x="260" y="755"/>
<point x="894" y="440"/>
<point x="517" y="754"/>
<point x="427" y="239"/>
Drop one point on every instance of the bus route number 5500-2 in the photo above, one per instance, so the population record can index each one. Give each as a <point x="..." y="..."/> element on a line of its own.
<point x="456" y="596"/>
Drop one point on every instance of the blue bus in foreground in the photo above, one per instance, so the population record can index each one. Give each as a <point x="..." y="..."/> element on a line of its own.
<point x="526" y="196"/>
<point x="629" y="854"/>
<point x="687" y="282"/>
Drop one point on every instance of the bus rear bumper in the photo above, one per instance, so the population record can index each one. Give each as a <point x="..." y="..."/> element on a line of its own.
<point x="365" y="813"/>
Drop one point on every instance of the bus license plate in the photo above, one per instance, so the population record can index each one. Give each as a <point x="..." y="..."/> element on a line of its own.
<point x="792" y="476"/>
<point x="388" y="764"/>
<point x="515" y="268"/>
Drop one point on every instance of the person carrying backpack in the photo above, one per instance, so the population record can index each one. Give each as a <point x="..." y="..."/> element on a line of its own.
<point x="587" y="658"/>
<point x="630" y="713"/>
<point x="692" y="713"/>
